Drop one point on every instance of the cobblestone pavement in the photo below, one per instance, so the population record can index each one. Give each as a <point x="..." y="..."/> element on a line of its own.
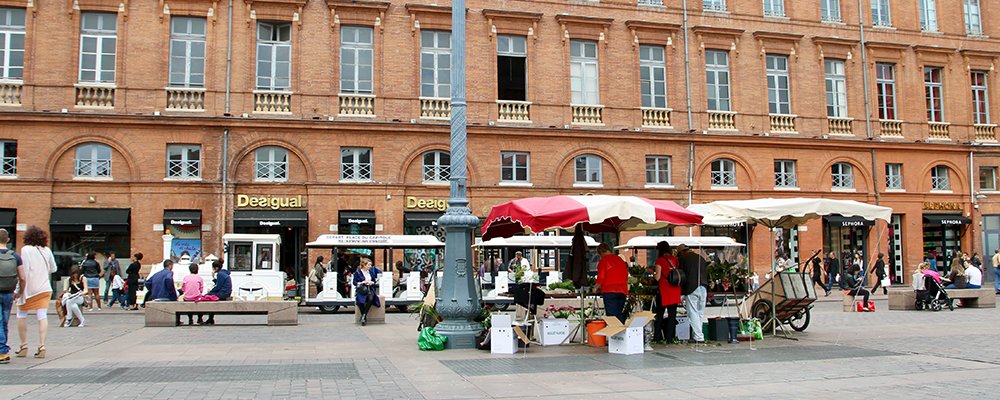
<point x="887" y="354"/>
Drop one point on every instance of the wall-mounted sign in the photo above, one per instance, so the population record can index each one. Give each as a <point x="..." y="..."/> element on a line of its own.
<point x="268" y="201"/>
<point x="942" y="206"/>
<point x="415" y="203"/>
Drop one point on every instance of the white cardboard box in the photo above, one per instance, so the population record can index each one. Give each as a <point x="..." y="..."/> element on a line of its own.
<point x="626" y="338"/>
<point x="683" y="328"/>
<point x="553" y="277"/>
<point x="553" y="331"/>
<point x="502" y="339"/>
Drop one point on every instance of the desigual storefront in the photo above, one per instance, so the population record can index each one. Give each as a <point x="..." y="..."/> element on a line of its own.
<point x="286" y="216"/>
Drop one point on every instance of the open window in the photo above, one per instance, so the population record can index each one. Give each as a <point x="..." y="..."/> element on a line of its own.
<point x="240" y="256"/>
<point x="512" y="64"/>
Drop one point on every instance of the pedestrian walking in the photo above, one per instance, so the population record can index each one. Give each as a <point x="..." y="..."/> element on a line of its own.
<point x="366" y="289"/>
<point x="110" y="265"/>
<point x="34" y="291"/>
<point x="817" y="274"/>
<point x="10" y="263"/>
<point x="132" y="280"/>
<point x="832" y="270"/>
<point x="92" y="273"/>
<point x="318" y="273"/>
<point x="74" y="296"/>
<point x="880" y="274"/>
<point x="996" y="270"/>
<point x="117" y="290"/>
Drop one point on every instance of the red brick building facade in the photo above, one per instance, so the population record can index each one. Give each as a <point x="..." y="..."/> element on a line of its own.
<point x="342" y="104"/>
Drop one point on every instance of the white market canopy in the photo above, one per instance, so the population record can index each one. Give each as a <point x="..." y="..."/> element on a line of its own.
<point x="649" y="242"/>
<point x="376" y="241"/>
<point x="543" y="241"/>
<point x="709" y="218"/>
<point x="786" y="213"/>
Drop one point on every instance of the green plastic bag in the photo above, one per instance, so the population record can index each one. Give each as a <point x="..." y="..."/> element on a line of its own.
<point x="430" y="340"/>
<point x="752" y="328"/>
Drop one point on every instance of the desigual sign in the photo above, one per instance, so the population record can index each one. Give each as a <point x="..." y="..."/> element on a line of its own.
<point x="414" y="203"/>
<point x="268" y="201"/>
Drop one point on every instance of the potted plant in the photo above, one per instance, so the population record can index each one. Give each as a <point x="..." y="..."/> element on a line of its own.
<point x="554" y="327"/>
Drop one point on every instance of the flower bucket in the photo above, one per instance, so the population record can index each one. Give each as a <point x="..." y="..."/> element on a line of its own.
<point x="592" y="328"/>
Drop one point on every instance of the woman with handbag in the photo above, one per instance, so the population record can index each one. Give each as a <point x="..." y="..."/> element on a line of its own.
<point x="366" y="288"/>
<point x="132" y="280"/>
<point x="668" y="276"/>
<point x="34" y="290"/>
<point x="73" y="299"/>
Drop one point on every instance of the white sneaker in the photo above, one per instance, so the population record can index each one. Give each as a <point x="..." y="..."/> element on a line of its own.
<point x="82" y="324"/>
<point x="67" y="324"/>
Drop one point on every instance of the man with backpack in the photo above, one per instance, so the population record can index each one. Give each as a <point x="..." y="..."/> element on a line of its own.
<point x="110" y="265"/>
<point x="9" y="263"/>
<point x="694" y="289"/>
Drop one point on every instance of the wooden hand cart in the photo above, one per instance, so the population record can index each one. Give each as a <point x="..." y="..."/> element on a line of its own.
<point x="788" y="303"/>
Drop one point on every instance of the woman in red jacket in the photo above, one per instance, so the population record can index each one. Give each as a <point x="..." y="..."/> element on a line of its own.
<point x="670" y="295"/>
<point x="612" y="281"/>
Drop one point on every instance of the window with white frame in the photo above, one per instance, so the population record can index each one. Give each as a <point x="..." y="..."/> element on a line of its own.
<point x="435" y="64"/>
<point x="658" y="170"/>
<point x="12" y="40"/>
<point x="436" y="166"/>
<point x="933" y="90"/>
<point x="187" y="52"/>
<point x="714" y="5"/>
<point x="885" y="84"/>
<point x="784" y="174"/>
<point x="988" y="179"/>
<point x="583" y="72"/>
<point x="973" y="18"/>
<point x="274" y="56"/>
<point x="843" y="176"/>
<point x="778" y="91"/>
<point x="939" y="178"/>
<point x="717" y="80"/>
<point x="880" y="13"/>
<point x="93" y="160"/>
<point x="894" y="176"/>
<point x="512" y="68"/>
<point x="271" y="164"/>
<point x="723" y="173"/>
<point x="356" y="55"/>
<point x="8" y="158"/>
<point x="651" y="2"/>
<point x="98" y="43"/>
<point x="980" y="97"/>
<point x="928" y="15"/>
<point x="183" y="161"/>
<point x="774" y="8"/>
<point x="588" y="169"/>
<point x="653" y="76"/>
<point x="515" y="167"/>
<point x="836" y="88"/>
<point x="356" y="164"/>
<point x="830" y="10"/>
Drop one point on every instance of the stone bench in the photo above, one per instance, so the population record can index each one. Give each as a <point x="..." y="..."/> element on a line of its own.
<point x="166" y="313"/>
<point x="905" y="298"/>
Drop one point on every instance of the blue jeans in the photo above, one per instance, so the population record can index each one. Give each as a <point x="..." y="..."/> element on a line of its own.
<point x="614" y="305"/>
<point x="6" y="301"/>
<point x="996" y="279"/>
<point x="830" y="281"/>
<point x="118" y="296"/>
<point x="971" y="286"/>
<point x="107" y="288"/>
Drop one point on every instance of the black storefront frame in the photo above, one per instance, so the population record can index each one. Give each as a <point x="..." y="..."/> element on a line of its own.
<point x="292" y="225"/>
<point x="363" y="220"/>
<point x="8" y="221"/>
<point x="935" y="229"/>
<point x="858" y="230"/>
<point x="70" y="228"/>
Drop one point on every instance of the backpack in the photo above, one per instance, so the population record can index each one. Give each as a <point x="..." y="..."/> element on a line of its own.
<point x="843" y="282"/>
<point x="8" y="272"/>
<point x="676" y="276"/>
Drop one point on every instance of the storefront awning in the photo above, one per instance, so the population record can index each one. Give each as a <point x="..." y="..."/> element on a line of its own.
<point x="270" y="218"/>
<point x="840" y="220"/>
<point x="7" y="218"/>
<point x="89" y="220"/>
<point x="360" y="217"/>
<point x="421" y="218"/>
<point x="946" y="219"/>
<point x="182" y="218"/>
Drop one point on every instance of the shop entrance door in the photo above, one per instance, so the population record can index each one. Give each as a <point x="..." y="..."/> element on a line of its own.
<point x="293" y="226"/>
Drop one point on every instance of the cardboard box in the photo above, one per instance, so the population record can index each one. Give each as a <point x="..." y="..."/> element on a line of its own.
<point x="502" y="340"/>
<point x="553" y="331"/>
<point x="683" y="328"/>
<point x="553" y="277"/>
<point x="626" y="338"/>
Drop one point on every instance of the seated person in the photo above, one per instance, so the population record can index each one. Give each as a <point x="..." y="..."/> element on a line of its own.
<point x="223" y="288"/>
<point x="192" y="287"/>
<point x="974" y="276"/>
<point x="160" y="286"/>
<point x="956" y="279"/>
<point x="854" y="284"/>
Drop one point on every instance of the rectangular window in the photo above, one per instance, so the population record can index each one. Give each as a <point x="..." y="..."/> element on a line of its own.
<point x="435" y="64"/>
<point x="356" y="164"/>
<point x="836" y="89"/>
<point x="187" y="52"/>
<point x="980" y="97"/>
<point x="784" y="174"/>
<point x="928" y="15"/>
<point x="183" y="161"/>
<point x="98" y="43"/>
<point x="271" y="164"/>
<point x="515" y="167"/>
<point x="880" y="13"/>
<point x="973" y="18"/>
<point x="988" y="179"/>
<point x="8" y="162"/>
<point x="723" y="173"/>
<point x="778" y="92"/>
<point x="274" y="56"/>
<point x="12" y="40"/>
<point x="512" y="68"/>
<point x="583" y="72"/>
<point x="588" y="170"/>
<point x="830" y="10"/>
<point x="714" y="5"/>
<point x="717" y="80"/>
<point x="933" y="90"/>
<point x="356" y="55"/>
<point x="894" y="176"/>
<point x="658" y="170"/>
<point x="843" y="176"/>
<point x="653" y="76"/>
<point x="774" y="8"/>
<point x="939" y="178"/>
<point x="885" y="83"/>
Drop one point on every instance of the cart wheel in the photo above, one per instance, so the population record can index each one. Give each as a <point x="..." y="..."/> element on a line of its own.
<point x="503" y="306"/>
<point x="402" y="308"/>
<point x="936" y="306"/>
<point x="762" y="311"/>
<point x="800" y="321"/>
<point x="328" y="309"/>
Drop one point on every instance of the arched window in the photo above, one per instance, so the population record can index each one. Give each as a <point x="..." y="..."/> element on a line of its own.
<point x="588" y="169"/>
<point x="723" y="173"/>
<point x="843" y="176"/>
<point x="939" y="178"/>
<point x="271" y="164"/>
<point x="93" y="160"/>
<point x="437" y="166"/>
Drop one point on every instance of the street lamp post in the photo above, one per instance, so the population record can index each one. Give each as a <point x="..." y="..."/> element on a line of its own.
<point x="458" y="300"/>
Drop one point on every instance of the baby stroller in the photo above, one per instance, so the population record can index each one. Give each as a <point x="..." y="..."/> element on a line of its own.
<point x="931" y="295"/>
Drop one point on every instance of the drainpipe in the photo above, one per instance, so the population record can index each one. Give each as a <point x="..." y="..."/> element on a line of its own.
<point x="975" y="202"/>
<point x="690" y="117"/>
<point x="224" y="226"/>
<point x="229" y="67"/>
